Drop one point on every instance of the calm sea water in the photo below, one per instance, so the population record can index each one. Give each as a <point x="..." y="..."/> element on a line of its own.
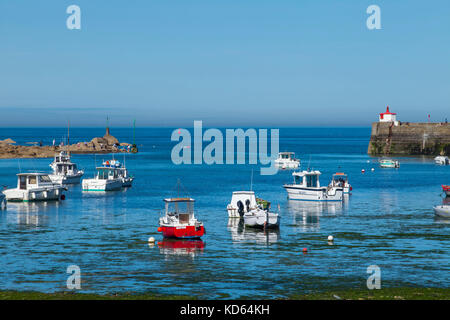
<point x="388" y="221"/>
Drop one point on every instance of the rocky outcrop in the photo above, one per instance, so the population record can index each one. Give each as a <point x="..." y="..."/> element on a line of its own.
<point x="410" y="139"/>
<point x="105" y="144"/>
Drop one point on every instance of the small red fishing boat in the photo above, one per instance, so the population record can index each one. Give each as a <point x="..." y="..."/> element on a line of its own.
<point x="179" y="220"/>
<point x="446" y="189"/>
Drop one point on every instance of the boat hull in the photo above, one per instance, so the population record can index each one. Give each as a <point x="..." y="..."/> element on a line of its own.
<point x="182" y="232"/>
<point x="314" y="194"/>
<point x="18" y="195"/>
<point x="442" y="211"/>
<point x="101" y="185"/>
<point x="261" y="219"/>
<point x="287" y="164"/>
<point x="61" y="179"/>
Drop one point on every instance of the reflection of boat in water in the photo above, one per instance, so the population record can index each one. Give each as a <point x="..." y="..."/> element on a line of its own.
<point x="174" y="247"/>
<point x="2" y="201"/>
<point x="307" y="214"/>
<point x="240" y="233"/>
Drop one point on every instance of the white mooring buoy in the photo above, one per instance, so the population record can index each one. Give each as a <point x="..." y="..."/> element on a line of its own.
<point x="151" y="240"/>
<point x="330" y="238"/>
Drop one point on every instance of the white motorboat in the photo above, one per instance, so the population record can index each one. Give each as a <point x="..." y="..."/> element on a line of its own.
<point x="64" y="170"/>
<point x="389" y="163"/>
<point x="127" y="179"/>
<point x="442" y="211"/>
<point x="35" y="187"/>
<point x="340" y="179"/>
<point x="260" y="218"/>
<point x="246" y="198"/>
<point x="286" y="160"/>
<point x="306" y="187"/>
<point x="442" y="160"/>
<point x="106" y="179"/>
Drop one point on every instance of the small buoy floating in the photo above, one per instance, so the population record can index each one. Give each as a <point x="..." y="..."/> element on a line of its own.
<point x="330" y="238"/>
<point x="159" y="229"/>
<point x="372" y="169"/>
<point x="151" y="240"/>
<point x="305" y="250"/>
<point x="363" y="170"/>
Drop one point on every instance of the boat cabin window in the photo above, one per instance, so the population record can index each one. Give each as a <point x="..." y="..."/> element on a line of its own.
<point x="106" y="173"/>
<point x="32" y="180"/>
<point x="180" y="207"/>
<point x="311" y="181"/>
<point x="298" y="180"/>
<point x="183" y="217"/>
<point x="44" y="179"/>
<point x="23" y="182"/>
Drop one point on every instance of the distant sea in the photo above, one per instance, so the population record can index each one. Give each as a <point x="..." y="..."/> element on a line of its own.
<point x="388" y="221"/>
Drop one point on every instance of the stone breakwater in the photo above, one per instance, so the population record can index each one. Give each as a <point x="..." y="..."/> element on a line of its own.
<point x="409" y="139"/>
<point x="105" y="144"/>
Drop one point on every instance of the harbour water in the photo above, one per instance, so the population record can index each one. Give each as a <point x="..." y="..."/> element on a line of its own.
<point x="388" y="221"/>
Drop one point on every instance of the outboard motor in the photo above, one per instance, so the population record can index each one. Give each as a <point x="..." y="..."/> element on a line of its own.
<point x="240" y="208"/>
<point x="247" y="203"/>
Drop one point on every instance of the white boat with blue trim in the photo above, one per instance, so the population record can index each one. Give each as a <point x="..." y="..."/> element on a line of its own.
<point x="306" y="187"/>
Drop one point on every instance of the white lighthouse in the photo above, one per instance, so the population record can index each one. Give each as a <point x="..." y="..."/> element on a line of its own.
<point x="388" y="117"/>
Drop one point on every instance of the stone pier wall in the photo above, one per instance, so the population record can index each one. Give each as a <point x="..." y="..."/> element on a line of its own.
<point x="410" y="139"/>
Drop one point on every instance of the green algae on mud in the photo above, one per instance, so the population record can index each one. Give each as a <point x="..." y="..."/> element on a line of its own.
<point x="381" y="294"/>
<point x="351" y="294"/>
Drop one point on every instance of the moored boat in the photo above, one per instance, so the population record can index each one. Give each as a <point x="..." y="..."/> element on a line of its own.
<point x="106" y="179"/>
<point x="179" y="220"/>
<point x="340" y="179"/>
<point x="306" y="187"/>
<point x="263" y="219"/>
<point x="287" y="160"/>
<point x="34" y="187"/>
<point x="442" y="211"/>
<point x="64" y="170"/>
<point x="127" y="179"/>
<point x="446" y="189"/>
<point x="389" y="163"/>
<point x="241" y="202"/>
<point x="442" y="160"/>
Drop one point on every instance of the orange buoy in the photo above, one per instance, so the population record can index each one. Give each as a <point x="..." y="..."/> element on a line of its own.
<point x="305" y="250"/>
<point x="159" y="229"/>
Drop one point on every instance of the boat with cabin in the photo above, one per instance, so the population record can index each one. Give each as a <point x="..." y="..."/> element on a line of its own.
<point x="179" y="220"/>
<point x="246" y="198"/>
<point x="446" y="190"/>
<point x="287" y="160"/>
<point x="64" y="170"/>
<point x="107" y="178"/>
<point x="35" y="187"/>
<point x="261" y="217"/>
<point x="389" y="163"/>
<point x="306" y="187"/>
<point x="340" y="179"/>
<point x="442" y="160"/>
<point x="127" y="179"/>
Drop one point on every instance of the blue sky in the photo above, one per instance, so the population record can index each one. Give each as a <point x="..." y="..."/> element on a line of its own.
<point x="228" y="63"/>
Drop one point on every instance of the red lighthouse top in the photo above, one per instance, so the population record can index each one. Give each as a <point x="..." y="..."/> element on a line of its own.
<point x="387" y="112"/>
